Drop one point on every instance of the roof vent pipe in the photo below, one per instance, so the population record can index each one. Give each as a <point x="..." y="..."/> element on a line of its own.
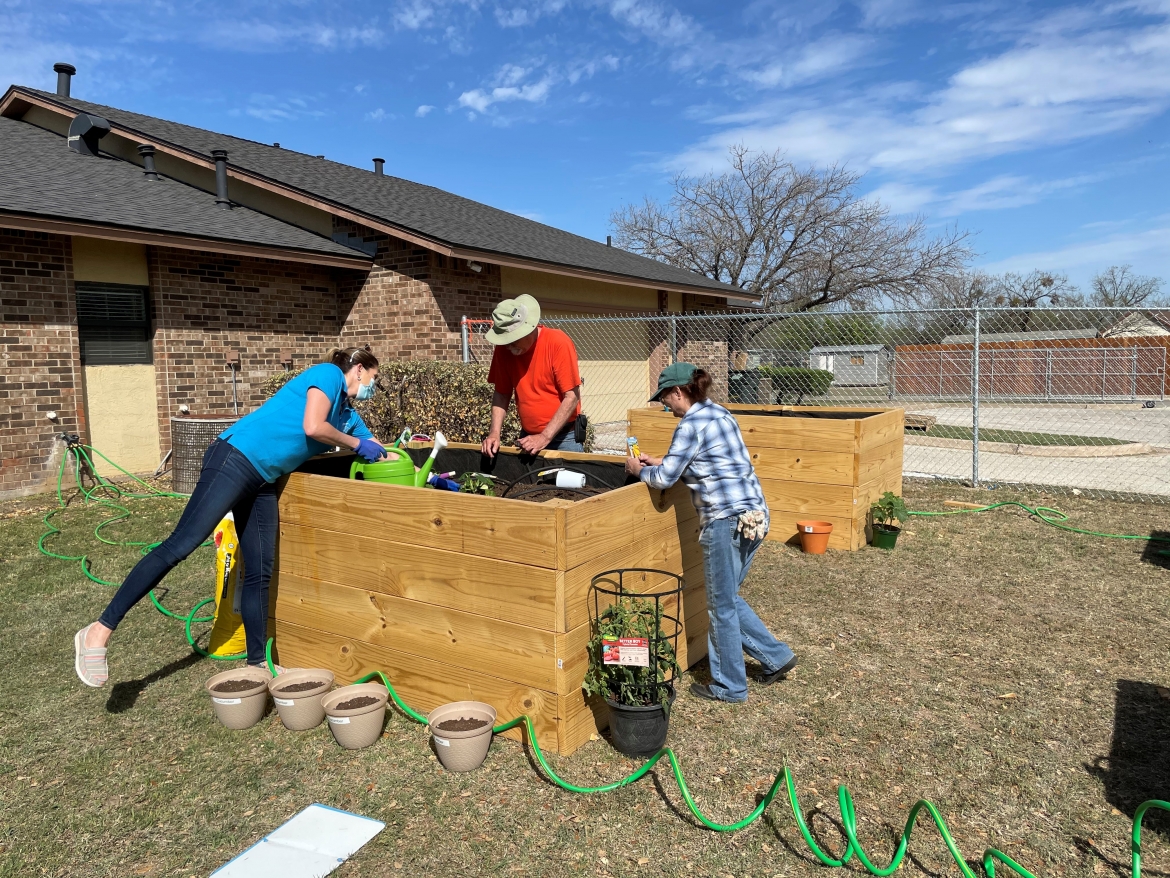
<point x="64" y="73"/>
<point x="84" y="133"/>
<point x="609" y="240"/>
<point x="378" y="166"/>
<point x="221" y="197"/>
<point x="147" y="152"/>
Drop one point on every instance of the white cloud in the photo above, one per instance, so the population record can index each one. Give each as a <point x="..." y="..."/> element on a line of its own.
<point x="423" y="110"/>
<point x="828" y="55"/>
<point x="269" y="108"/>
<point x="1050" y="88"/>
<point x="378" y="115"/>
<point x="480" y="99"/>
<point x="263" y="36"/>
<point x="657" y="21"/>
<point x="1148" y="249"/>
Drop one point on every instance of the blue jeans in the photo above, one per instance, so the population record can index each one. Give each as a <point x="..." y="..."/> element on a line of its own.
<point x="227" y="483"/>
<point x="734" y="626"/>
<point x="563" y="441"/>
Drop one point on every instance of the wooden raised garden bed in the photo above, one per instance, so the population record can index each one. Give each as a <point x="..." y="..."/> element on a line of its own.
<point x="459" y="596"/>
<point x="814" y="462"/>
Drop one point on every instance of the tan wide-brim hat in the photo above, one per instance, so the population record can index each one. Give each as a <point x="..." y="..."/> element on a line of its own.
<point x="513" y="319"/>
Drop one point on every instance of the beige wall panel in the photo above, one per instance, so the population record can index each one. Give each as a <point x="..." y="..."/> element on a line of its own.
<point x="123" y="419"/>
<point x="560" y="294"/>
<point x="113" y="262"/>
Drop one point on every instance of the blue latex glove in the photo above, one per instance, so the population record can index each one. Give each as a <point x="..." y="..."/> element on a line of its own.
<point x="369" y="450"/>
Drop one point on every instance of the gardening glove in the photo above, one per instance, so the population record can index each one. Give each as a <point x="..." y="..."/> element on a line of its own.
<point x="369" y="450"/>
<point x="753" y="524"/>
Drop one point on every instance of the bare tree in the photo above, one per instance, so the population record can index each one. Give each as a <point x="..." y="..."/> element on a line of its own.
<point x="799" y="238"/>
<point x="1118" y="287"/>
<point x="1029" y="291"/>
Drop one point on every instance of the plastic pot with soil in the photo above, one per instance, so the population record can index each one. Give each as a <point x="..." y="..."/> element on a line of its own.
<point x="297" y="694"/>
<point x="814" y="536"/>
<point x="461" y="733"/>
<point x="640" y="730"/>
<point x="239" y="697"/>
<point x="885" y="536"/>
<point x="356" y="714"/>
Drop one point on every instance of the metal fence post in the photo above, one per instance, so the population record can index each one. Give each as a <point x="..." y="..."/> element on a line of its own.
<point x="975" y="405"/>
<point x="673" y="339"/>
<point x="466" y="341"/>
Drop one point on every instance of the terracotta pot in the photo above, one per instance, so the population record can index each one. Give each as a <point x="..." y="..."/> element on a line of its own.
<point x="301" y="710"/>
<point x="814" y="536"/>
<point x="356" y="727"/>
<point x="462" y="751"/>
<point x="240" y="710"/>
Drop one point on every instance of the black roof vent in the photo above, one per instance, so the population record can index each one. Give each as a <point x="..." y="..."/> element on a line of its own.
<point x="221" y="197"/>
<point x="85" y="131"/>
<point x="64" y="73"/>
<point x="147" y="152"/>
<point x="378" y="166"/>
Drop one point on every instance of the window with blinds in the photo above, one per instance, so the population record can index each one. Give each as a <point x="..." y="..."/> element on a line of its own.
<point x="113" y="324"/>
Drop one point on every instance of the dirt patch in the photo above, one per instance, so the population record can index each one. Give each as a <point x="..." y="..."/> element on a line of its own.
<point x="541" y="493"/>
<point x="301" y="687"/>
<point x="236" y="686"/>
<point x="355" y="703"/>
<point x="463" y="724"/>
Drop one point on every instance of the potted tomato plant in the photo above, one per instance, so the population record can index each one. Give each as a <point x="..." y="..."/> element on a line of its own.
<point x="888" y="513"/>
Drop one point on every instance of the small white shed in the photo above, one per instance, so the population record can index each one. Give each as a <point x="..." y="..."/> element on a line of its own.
<point x="860" y="365"/>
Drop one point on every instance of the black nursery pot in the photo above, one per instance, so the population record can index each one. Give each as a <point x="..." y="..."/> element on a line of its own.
<point x="639" y="731"/>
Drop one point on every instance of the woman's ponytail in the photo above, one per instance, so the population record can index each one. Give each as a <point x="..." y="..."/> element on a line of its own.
<point x="699" y="386"/>
<point x="349" y="357"/>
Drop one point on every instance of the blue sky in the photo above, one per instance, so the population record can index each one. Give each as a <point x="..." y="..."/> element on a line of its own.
<point x="1042" y="127"/>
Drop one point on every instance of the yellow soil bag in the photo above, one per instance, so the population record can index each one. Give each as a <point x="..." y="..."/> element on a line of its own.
<point x="227" y="631"/>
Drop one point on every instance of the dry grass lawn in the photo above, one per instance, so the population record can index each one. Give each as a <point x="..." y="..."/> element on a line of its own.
<point x="1008" y="672"/>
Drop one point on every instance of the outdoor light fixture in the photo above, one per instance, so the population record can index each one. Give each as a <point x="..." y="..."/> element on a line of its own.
<point x="52" y="416"/>
<point x="184" y="409"/>
<point x="475" y="266"/>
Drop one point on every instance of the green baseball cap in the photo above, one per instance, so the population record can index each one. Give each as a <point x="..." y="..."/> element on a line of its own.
<point x="674" y="375"/>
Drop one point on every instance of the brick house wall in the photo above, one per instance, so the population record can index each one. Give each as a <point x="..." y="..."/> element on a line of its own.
<point x="40" y="360"/>
<point x="409" y="307"/>
<point x="205" y="304"/>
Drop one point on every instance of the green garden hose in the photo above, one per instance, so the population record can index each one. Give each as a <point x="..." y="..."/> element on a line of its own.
<point x="844" y="799"/>
<point x="80" y="455"/>
<point x="1048" y="515"/>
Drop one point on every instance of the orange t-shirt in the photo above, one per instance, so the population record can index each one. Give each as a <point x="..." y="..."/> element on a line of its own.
<point x="540" y="378"/>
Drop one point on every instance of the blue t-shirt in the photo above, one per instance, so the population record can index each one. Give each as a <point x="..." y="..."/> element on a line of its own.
<point x="273" y="437"/>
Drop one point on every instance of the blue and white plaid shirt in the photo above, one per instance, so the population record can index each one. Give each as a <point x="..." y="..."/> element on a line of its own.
<point x="708" y="454"/>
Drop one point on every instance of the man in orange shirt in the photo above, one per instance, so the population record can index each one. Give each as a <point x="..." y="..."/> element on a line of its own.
<point x="539" y="366"/>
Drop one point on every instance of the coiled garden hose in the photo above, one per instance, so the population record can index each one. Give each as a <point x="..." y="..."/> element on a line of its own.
<point x="80" y="455"/>
<point x="1049" y="516"/>
<point x="991" y="856"/>
<point x="82" y="460"/>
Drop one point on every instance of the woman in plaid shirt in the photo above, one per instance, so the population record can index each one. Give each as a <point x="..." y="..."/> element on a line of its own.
<point x="708" y="454"/>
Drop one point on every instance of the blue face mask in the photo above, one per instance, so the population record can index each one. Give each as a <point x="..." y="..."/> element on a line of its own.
<point x="366" y="391"/>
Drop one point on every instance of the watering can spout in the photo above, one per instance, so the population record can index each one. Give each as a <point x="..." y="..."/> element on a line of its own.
<point x="420" y="478"/>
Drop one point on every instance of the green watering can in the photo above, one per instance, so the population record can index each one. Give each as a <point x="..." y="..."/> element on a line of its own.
<point x="398" y="468"/>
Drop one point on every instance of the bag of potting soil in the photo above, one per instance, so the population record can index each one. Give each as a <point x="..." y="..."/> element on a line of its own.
<point x="227" y="632"/>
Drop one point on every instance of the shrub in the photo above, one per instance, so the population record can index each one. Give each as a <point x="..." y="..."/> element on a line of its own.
<point x="793" y="379"/>
<point x="426" y="396"/>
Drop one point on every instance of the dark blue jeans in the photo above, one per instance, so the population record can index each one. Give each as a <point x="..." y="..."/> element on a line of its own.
<point x="227" y="483"/>
<point x="734" y="628"/>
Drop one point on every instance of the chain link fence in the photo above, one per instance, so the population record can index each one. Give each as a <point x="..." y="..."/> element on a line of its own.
<point x="1067" y="399"/>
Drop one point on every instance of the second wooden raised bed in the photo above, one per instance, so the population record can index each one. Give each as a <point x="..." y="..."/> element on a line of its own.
<point x="813" y="462"/>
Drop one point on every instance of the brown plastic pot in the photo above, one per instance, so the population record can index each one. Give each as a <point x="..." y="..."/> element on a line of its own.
<point x="301" y="710"/>
<point x="814" y="536"/>
<point x="360" y="726"/>
<point x="240" y="710"/>
<point x="462" y="751"/>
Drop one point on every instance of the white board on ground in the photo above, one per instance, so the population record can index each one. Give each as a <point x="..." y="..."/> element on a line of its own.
<point x="310" y="845"/>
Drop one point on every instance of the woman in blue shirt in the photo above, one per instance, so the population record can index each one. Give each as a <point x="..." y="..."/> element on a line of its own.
<point x="306" y="417"/>
<point x="707" y="452"/>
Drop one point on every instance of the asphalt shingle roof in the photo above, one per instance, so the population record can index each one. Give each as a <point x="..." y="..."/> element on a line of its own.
<point x="41" y="176"/>
<point x="430" y="212"/>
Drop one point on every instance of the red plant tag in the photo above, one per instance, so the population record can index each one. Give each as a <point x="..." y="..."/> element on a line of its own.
<point x="626" y="651"/>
